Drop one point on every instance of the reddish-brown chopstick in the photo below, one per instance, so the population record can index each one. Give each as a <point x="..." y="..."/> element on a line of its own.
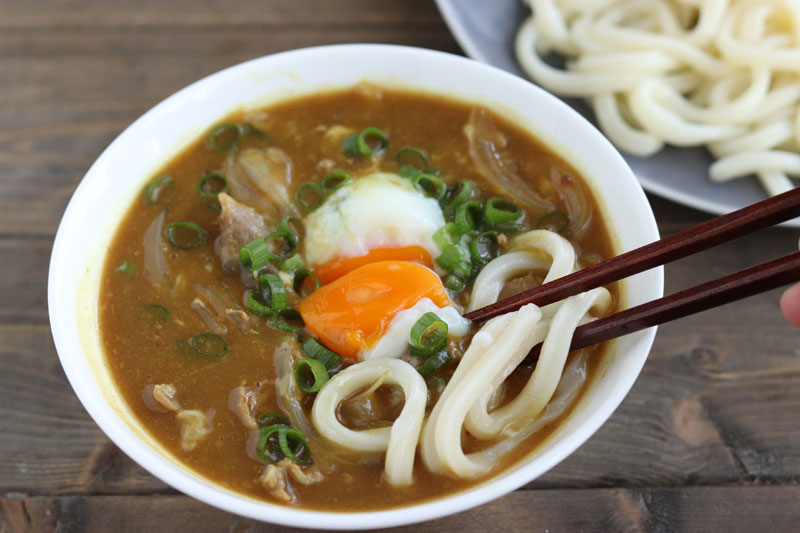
<point x="742" y="284"/>
<point x="701" y="237"/>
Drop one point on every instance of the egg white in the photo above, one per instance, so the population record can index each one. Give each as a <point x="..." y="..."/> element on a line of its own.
<point x="380" y="210"/>
<point x="394" y="342"/>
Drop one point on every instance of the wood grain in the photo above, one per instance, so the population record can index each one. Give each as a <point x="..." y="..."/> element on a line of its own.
<point x="708" y="438"/>
<point x="730" y="509"/>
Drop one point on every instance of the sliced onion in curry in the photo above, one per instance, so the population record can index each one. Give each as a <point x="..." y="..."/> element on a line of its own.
<point x="156" y="269"/>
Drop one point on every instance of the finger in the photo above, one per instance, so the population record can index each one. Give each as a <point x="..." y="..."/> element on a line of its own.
<point x="790" y="305"/>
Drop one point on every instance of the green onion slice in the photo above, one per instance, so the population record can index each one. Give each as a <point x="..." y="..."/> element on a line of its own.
<point x="293" y="445"/>
<point x="127" y="268"/>
<point x="467" y="217"/>
<point x="272" y="291"/>
<point x="286" y="225"/>
<point x="209" y="345"/>
<point x="434" y="363"/>
<point x="335" y="180"/>
<point x="161" y="313"/>
<point x="310" y="375"/>
<point x="555" y="221"/>
<point x="186" y="235"/>
<point x="310" y="196"/>
<point x="315" y="350"/>
<point x="454" y="283"/>
<point x="456" y="260"/>
<point x="249" y="129"/>
<point x="299" y="277"/>
<point x="255" y="254"/>
<point x="212" y="184"/>
<point x="501" y="211"/>
<point x="292" y="264"/>
<point x="268" y="447"/>
<point x="483" y="248"/>
<point x="428" y="336"/>
<point x="281" y="244"/>
<point x="413" y="158"/>
<point x="430" y="185"/>
<point x="258" y="307"/>
<point x="224" y="137"/>
<point x="356" y="145"/>
<point x="280" y="321"/>
<point x="154" y="188"/>
<point x="271" y="419"/>
<point x="457" y="194"/>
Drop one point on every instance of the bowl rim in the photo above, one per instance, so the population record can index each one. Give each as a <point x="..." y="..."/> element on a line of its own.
<point x="73" y="361"/>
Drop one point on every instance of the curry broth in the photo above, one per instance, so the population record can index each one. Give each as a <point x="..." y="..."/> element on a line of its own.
<point x="141" y="347"/>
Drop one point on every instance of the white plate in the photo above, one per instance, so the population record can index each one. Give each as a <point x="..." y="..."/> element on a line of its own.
<point x="486" y="31"/>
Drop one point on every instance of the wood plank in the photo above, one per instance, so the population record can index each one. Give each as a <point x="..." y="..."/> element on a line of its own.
<point x="220" y="14"/>
<point x="48" y="442"/>
<point x="681" y="509"/>
<point x="23" y="280"/>
<point x="67" y="94"/>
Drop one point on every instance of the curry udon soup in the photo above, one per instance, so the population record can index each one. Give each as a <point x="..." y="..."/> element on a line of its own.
<point x="282" y="306"/>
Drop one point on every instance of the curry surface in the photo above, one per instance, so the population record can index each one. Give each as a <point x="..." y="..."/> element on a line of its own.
<point x="141" y="346"/>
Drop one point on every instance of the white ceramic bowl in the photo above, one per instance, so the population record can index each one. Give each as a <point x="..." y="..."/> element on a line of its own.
<point x="117" y="177"/>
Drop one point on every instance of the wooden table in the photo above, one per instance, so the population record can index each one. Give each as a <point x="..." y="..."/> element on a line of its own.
<point x="709" y="438"/>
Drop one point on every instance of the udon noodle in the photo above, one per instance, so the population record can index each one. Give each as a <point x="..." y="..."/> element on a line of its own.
<point x="719" y="73"/>
<point x="467" y="401"/>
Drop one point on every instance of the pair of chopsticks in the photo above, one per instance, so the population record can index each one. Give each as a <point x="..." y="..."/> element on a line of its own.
<point x="742" y="284"/>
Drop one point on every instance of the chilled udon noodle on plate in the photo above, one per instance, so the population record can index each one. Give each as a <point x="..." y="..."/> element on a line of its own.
<point x="282" y="307"/>
<point x="719" y="73"/>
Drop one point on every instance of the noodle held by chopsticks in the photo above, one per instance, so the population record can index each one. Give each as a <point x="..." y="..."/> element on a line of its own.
<point x="719" y="73"/>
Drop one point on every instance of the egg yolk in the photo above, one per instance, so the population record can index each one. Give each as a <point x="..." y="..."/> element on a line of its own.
<point x="354" y="311"/>
<point x="338" y="267"/>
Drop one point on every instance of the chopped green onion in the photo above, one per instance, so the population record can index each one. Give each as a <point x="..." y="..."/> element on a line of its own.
<point x="177" y="240"/>
<point x="291" y="435"/>
<point x="209" y="345"/>
<point x="212" y="184"/>
<point x="127" y="268"/>
<point x="408" y="172"/>
<point x="447" y="234"/>
<point x="270" y="419"/>
<point x="269" y="450"/>
<point x="282" y="325"/>
<point x="255" y="305"/>
<point x="434" y="363"/>
<point x="467" y="217"/>
<point x="281" y="244"/>
<point x="299" y="277"/>
<point x="555" y="221"/>
<point x="284" y="224"/>
<point x="292" y="264"/>
<point x="501" y="211"/>
<point x="154" y="188"/>
<point x="255" y="254"/>
<point x="428" y="336"/>
<point x="334" y="180"/>
<point x="457" y="194"/>
<point x="454" y="283"/>
<point x="158" y="309"/>
<point x="310" y="192"/>
<point x="430" y="185"/>
<point x="408" y="156"/>
<point x="355" y="145"/>
<point x="226" y="130"/>
<point x="315" y="350"/>
<point x="455" y="259"/>
<point x="310" y="375"/>
<point x="272" y="291"/>
<point x="483" y="248"/>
